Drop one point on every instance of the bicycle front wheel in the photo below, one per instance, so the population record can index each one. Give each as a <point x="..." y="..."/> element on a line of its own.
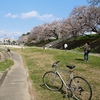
<point x="80" y="88"/>
<point x="52" y="81"/>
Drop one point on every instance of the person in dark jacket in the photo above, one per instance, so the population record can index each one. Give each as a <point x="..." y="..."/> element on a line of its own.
<point x="8" y="50"/>
<point x="86" y="51"/>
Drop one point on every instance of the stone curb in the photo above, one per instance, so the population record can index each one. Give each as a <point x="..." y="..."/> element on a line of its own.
<point x="2" y="57"/>
<point x="4" y="74"/>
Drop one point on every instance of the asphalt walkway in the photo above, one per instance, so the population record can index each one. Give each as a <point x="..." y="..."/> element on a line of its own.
<point x="15" y="85"/>
<point x="93" y="54"/>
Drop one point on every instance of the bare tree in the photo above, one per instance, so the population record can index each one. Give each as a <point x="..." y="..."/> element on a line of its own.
<point x="94" y="2"/>
<point x="23" y="39"/>
<point x="45" y="31"/>
<point x="93" y="18"/>
<point x="82" y="19"/>
<point x="73" y="25"/>
<point x="87" y="18"/>
<point x="35" y="34"/>
<point x="56" y="29"/>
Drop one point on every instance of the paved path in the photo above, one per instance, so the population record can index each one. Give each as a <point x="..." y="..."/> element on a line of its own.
<point x="15" y="85"/>
<point x="93" y="54"/>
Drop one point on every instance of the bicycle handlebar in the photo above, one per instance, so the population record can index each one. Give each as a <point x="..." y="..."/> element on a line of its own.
<point x="55" y="64"/>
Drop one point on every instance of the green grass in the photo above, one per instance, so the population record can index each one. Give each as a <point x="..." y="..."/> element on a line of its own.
<point x="1" y="50"/>
<point x="91" y="36"/>
<point x="6" y="64"/>
<point x="78" y="43"/>
<point x="38" y="61"/>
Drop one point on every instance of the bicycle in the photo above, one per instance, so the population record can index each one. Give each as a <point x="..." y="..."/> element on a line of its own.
<point x="79" y="87"/>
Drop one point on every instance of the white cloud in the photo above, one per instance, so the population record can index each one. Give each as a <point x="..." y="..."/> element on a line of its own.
<point x="1" y="31"/>
<point x="10" y="34"/>
<point x="14" y="16"/>
<point x="11" y="15"/>
<point x="13" y="34"/>
<point x="33" y="14"/>
<point x="29" y="15"/>
<point x="45" y="17"/>
<point x="8" y="15"/>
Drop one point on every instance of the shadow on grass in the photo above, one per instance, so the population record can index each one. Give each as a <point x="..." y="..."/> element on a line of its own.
<point x="68" y="95"/>
<point x="79" y="59"/>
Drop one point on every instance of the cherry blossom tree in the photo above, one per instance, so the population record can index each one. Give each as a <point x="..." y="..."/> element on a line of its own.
<point x="94" y="2"/>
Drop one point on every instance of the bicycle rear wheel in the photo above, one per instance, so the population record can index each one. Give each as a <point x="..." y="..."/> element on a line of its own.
<point x="52" y="81"/>
<point x="80" y="88"/>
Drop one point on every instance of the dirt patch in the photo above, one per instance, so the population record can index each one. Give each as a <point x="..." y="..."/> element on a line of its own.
<point x="31" y="89"/>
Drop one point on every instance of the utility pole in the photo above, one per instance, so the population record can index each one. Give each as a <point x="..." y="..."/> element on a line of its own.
<point x="4" y="39"/>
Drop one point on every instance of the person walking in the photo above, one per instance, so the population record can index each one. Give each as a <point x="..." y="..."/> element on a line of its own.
<point x="65" y="46"/>
<point x="86" y="51"/>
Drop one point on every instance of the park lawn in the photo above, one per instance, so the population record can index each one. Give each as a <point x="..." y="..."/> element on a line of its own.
<point x="38" y="61"/>
<point x="7" y="63"/>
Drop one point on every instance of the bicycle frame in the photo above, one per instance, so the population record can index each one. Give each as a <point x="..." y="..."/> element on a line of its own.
<point x="69" y="73"/>
<point x="74" y="85"/>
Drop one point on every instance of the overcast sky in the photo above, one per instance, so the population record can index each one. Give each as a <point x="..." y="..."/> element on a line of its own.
<point x="18" y="17"/>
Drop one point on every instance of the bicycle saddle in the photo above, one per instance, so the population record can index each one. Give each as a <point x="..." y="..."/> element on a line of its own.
<point x="70" y="67"/>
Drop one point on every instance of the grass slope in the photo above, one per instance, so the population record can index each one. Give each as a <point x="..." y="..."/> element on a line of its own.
<point x="7" y="63"/>
<point x="74" y="43"/>
<point x="78" y="43"/>
<point x="38" y="61"/>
